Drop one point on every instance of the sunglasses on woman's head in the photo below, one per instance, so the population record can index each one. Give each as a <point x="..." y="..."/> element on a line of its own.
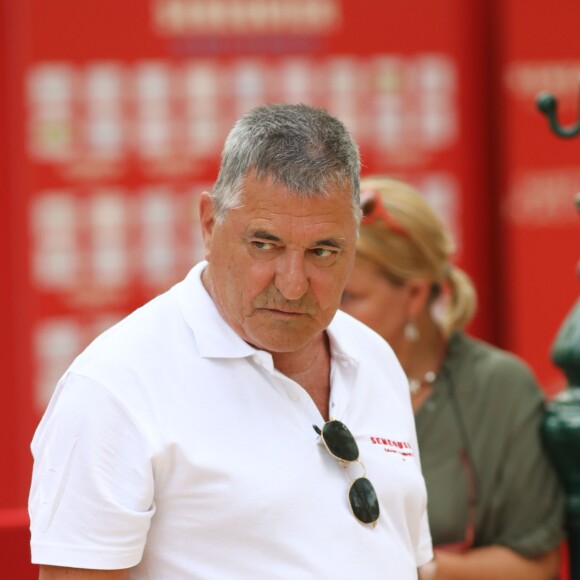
<point x="340" y="443"/>
<point x="373" y="209"/>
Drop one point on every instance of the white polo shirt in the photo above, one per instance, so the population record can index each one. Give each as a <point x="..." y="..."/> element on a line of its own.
<point x="174" y="446"/>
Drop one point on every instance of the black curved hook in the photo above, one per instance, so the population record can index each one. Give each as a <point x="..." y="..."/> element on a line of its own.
<point x="547" y="104"/>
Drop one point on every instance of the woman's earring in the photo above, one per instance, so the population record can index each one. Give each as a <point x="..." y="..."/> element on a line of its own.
<point x="411" y="331"/>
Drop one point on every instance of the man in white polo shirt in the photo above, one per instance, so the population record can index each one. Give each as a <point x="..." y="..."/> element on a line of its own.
<point x="238" y="426"/>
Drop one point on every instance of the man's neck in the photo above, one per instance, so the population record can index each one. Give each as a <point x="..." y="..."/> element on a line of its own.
<point x="310" y="368"/>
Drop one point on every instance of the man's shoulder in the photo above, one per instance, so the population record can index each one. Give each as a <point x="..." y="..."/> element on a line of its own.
<point x="140" y="335"/>
<point x="355" y="336"/>
<point x="372" y="353"/>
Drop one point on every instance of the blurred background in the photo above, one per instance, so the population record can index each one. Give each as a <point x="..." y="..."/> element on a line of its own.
<point x="113" y="114"/>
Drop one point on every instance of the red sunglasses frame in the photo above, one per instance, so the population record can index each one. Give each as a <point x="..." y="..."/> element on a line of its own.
<point x="373" y="209"/>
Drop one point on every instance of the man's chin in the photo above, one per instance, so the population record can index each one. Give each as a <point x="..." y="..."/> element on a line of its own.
<point x="282" y="340"/>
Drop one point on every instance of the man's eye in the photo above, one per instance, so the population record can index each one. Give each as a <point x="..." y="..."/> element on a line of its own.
<point x="262" y="245"/>
<point x="323" y="252"/>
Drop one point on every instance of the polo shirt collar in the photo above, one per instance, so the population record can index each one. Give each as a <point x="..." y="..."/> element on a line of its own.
<point x="214" y="337"/>
<point x="338" y="349"/>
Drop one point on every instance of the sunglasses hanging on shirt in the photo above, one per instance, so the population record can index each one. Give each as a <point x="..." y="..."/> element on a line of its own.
<point x="340" y="443"/>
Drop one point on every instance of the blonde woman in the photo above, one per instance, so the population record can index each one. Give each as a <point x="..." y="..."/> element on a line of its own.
<point x="495" y="505"/>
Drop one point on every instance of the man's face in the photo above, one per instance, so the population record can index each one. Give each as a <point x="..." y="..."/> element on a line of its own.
<point x="278" y="265"/>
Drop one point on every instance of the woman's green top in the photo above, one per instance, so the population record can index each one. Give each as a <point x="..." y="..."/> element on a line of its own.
<point x="479" y="440"/>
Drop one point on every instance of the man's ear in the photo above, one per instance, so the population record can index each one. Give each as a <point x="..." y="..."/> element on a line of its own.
<point x="207" y="221"/>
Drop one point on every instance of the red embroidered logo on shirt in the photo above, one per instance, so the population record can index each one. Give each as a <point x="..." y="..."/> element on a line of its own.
<point x="393" y="446"/>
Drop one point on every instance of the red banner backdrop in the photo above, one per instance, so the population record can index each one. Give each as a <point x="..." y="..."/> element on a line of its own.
<point x="116" y="116"/>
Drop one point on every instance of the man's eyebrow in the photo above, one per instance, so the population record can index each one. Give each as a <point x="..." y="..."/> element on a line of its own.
<point x="263" y="235"/>
<point x="338" y="243"/>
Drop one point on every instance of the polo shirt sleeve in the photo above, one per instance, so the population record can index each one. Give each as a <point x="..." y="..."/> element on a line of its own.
<point x="91" y="499"/>
<point x="529" y="497"/>
<point x="424" y="549"/>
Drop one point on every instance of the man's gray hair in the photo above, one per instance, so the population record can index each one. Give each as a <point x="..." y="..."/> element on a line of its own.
<point x="305" y="148"/>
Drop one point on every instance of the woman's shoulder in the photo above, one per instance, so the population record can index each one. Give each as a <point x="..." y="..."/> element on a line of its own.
<point x="485" y="364"/>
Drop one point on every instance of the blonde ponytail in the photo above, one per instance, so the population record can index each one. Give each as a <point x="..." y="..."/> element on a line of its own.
<point x="461" y="302"/>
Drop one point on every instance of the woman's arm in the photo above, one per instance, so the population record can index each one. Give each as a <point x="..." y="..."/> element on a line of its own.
<point x="496" y="563"/>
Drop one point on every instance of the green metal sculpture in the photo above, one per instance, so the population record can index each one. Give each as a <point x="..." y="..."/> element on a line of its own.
<point x="561" y="424"/>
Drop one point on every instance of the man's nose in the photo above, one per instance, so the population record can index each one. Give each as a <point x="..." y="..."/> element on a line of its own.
<point x="291" y="277"/>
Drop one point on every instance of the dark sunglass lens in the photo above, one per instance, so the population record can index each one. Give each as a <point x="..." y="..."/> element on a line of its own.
<point x="363" y="501"/>
<point x="340" y="441"/>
